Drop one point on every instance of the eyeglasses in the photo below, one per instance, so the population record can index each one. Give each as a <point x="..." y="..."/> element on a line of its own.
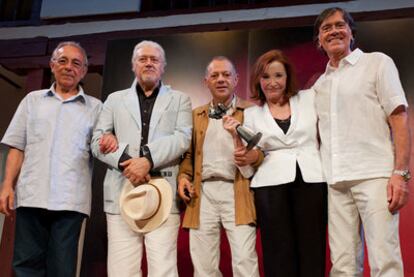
<point x="77" y="64"/>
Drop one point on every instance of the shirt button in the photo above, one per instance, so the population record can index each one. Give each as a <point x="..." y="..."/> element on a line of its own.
<point x="145" y="111"/>
<point x="145" y="124"/>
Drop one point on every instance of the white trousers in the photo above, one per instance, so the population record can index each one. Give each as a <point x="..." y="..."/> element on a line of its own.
<point x="125" y="248"/>
<point x="216" y="210"/>
<point x="351" y="203"/>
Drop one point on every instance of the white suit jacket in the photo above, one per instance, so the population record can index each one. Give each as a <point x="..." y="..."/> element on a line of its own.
<point x="169" y="136"/>
<point x="282" y="151"/>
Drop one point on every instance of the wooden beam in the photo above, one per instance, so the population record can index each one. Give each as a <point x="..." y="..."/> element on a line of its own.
<point x="10" y="81"/>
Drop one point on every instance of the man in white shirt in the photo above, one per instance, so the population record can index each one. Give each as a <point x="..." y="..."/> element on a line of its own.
<point x="49" y="168"/>
<point x="363" y="125"/>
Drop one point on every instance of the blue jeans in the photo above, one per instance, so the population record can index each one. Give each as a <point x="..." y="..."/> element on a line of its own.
<point x="46" y="242"/>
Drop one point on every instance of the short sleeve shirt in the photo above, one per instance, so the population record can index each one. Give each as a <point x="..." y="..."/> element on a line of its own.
<point x="55" y="136"/>
<point x="353" y="103"/>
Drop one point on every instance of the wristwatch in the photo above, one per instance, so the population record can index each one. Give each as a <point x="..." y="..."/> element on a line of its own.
<point x="403" y="173"/>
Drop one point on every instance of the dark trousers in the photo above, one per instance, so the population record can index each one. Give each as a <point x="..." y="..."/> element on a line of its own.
<point x="46" y="242"/>
<point x="292" y="219"/>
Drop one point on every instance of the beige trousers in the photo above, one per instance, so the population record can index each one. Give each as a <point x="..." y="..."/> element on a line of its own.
<point x="351" y="204"/>
<point x="217" y="210"/>
<point x="125" y="248"/>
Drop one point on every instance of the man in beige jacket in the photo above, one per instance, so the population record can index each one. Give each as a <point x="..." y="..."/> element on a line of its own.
<point x="211" y="184"/>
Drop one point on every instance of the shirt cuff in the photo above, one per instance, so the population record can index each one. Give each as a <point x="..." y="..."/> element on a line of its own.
<point x="146" y="152"/>
<point x="124" y="157"/>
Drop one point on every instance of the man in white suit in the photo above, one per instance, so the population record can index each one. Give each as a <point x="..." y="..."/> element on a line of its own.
<point x="152" y="125"/>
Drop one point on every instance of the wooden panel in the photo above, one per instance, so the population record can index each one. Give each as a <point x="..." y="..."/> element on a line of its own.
<point x="37" y="79"/>
<point x="25" y="63"/>
<point x="6" y="246"/>
<point x="23" y="47"/>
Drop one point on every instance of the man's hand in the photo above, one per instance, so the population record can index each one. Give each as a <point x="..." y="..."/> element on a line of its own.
<point x="137" y="170"/>
<point x="242" y="157"/>
<point x="6" y="199"/>
<point x="230" y="124"/>
<point x="397" y="193"/>
<point x="183" y="186"/>
<point x="108" y="143"/>
<point x="397" y="188"/>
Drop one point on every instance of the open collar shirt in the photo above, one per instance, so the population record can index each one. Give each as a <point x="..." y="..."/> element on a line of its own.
<point x="55" y="136"/>
<point x="192" y="166"/>
<point x="218" y="149"/>
<point x="146" y="104"/>
<point x="353" y="103"/>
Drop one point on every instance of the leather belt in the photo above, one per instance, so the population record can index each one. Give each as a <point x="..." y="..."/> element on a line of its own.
<point x="215" y="179"/>
<point x="160" y="173"/>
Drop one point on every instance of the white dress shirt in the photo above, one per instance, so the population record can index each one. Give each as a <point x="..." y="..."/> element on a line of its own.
<point x="353" y="103"/>
<point x="218" y="149"/>
<point x="218" y="152"/>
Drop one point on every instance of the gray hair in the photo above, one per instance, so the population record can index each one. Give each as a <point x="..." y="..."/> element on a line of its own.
<point x="220" y="58"/>
<point x="69" y="43"/>
<point x="149" y="43"/>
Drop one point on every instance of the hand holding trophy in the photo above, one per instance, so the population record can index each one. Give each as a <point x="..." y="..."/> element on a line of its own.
<point x="217" y="112"/>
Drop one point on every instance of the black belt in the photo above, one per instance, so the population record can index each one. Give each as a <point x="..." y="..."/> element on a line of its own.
<point x="160" y="173"/>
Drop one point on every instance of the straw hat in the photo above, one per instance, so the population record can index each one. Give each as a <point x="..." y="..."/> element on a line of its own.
<point x="146" y="206"/>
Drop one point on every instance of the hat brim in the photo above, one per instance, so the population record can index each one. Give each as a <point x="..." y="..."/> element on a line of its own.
<point x="148" y="225"/>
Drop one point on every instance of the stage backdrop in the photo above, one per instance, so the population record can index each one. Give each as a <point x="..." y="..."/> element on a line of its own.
<point x="187" y="56"/>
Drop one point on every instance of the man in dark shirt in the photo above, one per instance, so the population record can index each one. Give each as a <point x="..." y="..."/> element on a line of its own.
<point x="152" y="124"/>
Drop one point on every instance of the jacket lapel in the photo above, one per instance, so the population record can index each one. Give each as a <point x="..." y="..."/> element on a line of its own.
<point x="201" y="124"/>
<point x="132" y="104"/>
<point x="271" y="124"/>
<point x="293" y="101"/>
<point x="161" y="103"/>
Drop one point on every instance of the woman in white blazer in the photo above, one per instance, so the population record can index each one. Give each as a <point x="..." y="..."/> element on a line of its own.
<point x="290" y="188"/>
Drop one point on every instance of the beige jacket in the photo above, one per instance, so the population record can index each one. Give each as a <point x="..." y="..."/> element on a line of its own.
<point x="191" y="168"/>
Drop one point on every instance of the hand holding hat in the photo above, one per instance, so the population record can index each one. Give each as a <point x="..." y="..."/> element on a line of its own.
<point x="145" y="207"/>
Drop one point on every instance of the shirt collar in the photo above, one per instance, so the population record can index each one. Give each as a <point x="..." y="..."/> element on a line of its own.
<point x="231" y="108"/>
<point x="351" y="59"/>
<point x="140" y="91"/>
<point x="79" y="96"/>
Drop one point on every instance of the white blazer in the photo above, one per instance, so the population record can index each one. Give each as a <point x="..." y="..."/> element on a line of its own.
<point x="169" y="136"/>
<point x="282" y="151"/>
